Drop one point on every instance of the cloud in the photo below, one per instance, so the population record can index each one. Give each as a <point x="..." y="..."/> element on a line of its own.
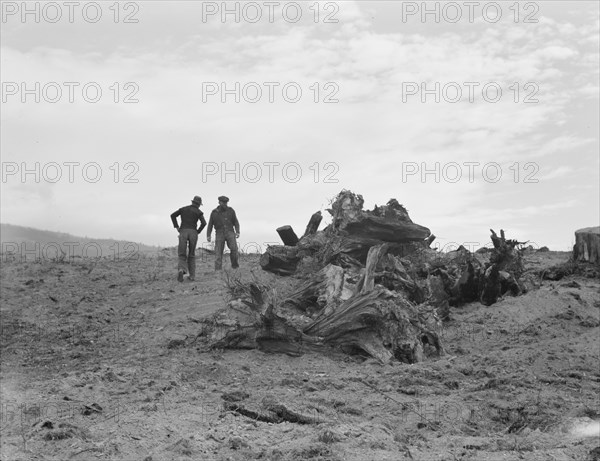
<point x="559" y="172"/>
<point x="372" y="131"/>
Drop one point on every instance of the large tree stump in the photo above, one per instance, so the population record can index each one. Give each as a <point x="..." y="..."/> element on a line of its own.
<point x="587" y="245"/>
<point x="288" y="236"/>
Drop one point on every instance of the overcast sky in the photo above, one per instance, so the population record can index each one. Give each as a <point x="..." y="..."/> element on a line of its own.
<point x="162" y="130"/>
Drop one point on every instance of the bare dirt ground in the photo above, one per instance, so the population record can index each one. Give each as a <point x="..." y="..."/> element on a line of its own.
<point x="102" y="361"/>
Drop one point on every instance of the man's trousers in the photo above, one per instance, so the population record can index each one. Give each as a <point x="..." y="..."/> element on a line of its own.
<point x="187" y="259"/>
<point x="220" y="240"/>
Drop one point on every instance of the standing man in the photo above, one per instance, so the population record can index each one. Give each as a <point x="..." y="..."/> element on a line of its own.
<point x="227" y="229"/>
<point x="188" y="235"/>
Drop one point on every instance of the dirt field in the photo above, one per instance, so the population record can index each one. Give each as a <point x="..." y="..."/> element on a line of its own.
<point x="102" y="361"/>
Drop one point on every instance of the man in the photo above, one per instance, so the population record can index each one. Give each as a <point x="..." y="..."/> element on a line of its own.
<point x="188" y="235"/>
<point x="227" y="229"/>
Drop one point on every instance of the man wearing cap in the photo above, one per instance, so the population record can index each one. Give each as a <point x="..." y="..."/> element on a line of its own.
<point x="227" y="229"/>
<point x="188" y="235"/>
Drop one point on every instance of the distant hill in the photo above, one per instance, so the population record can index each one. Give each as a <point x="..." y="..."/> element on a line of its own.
<point x="31" y="244"/>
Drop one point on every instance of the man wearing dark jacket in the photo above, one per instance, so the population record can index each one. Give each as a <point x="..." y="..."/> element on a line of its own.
<point x="188" y="235"/>
<point x="227" y="229"/>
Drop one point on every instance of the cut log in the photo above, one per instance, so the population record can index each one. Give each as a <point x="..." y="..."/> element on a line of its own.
<point x="429" y="240"/>
<point x="587" y="245"/>
<point x="276" y="413"/>
<point x="288" y="236"/>
<point x="313" y="224"/>
<point x="281" y="260"/>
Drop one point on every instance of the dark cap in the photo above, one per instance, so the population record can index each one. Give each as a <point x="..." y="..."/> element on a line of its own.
<point x="197" y="200"/>
<point x="222" y="198"/>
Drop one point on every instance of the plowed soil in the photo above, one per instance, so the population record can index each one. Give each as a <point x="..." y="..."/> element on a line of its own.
<point x="102" y="360"/>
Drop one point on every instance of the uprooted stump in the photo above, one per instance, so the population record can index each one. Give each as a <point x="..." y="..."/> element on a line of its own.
<point x="353" y="318"/>
<point x="505" y="267"/>
<point x="370" y="284"/>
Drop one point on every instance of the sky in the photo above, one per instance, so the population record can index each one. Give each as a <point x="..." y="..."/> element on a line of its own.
<point x="473" y="116"/>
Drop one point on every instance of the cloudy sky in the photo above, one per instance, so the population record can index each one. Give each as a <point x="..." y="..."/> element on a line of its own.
<point x="115" y="115"/>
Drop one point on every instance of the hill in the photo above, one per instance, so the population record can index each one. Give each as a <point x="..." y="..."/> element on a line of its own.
<point x="29" y="244"/>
